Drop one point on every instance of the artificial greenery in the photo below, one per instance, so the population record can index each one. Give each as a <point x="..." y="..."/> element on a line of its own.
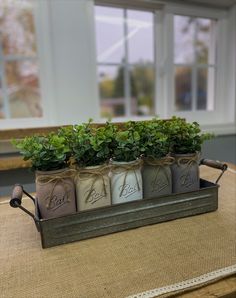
<point x="153" y="142"/>
<point x="92" y="146"/>
<point x="127" y="143"/>
<point x="184" y="137"/>
<point x="46" y="153"/>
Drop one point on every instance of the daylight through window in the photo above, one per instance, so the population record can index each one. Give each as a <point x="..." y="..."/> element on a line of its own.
<point x="125" y="61"/>
<point x="194" y="59"/>
<point x="19" y="74"/>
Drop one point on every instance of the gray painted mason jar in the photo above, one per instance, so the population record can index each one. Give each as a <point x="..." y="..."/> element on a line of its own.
<point x="157" y="178"/>
<point x="126" y="181"/>
<point x="55" y="193"/>
<point x="185" y="172"/>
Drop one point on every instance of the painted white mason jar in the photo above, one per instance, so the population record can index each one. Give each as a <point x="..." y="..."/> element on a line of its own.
<point x="126" y="181"/>
<point x="93" y="187"/>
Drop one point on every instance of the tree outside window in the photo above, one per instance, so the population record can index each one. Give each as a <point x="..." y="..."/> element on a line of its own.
<point x="125" y="56"/>
<point x="194" y="59"/>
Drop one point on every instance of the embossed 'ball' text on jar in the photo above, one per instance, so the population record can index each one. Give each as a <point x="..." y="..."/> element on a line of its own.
<point x="126" y="181"/>
<point x="157" y="178"/>
<point x="55" y="193"/>
<point x="185" y="172"/>
<point x="92" y="187"/>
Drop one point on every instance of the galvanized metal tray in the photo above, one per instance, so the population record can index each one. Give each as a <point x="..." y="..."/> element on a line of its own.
<point x="120" y="217"/>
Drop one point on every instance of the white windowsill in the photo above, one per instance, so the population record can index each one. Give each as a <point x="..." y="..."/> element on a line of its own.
<point x="220" y="129"/>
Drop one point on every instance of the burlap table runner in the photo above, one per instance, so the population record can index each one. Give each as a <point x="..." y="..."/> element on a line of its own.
<point x="121" y="264"/>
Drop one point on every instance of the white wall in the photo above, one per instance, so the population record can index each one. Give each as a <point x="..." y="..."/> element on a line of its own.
<point x="67" y="55"/>
<point x="75" y="80"/>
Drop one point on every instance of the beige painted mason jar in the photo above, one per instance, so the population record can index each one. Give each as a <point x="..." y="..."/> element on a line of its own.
<point x="93" y="187"/>
<point x="55" y="193"/>
<point x="126" y="181"/>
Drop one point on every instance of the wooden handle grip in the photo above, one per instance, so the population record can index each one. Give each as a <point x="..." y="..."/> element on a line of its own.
<point x="214" y="164"/>
<point x="16" y="196"/>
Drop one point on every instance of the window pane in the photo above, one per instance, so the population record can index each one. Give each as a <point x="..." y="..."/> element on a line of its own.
<point x="109" y="34"/>
<point x="111" y="87"/>
<point x="142" y="90"/>
<point x="23" y="89"/>
<point x="17" y="27"/>
<point x="183" y="88"/>
<point x="205" y="88"/>
<point x="205" y="42"/>
<point x="1" y="102"/>
<point x="183" y="39"/>
<point x="140" y="36"/>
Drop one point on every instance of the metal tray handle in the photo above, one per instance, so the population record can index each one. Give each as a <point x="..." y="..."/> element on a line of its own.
<point x="16" y="199"/>
<point x="216" y="165"/>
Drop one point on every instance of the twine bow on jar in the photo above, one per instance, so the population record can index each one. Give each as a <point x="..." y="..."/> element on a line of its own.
<point x="126" y="168"/>
<point x="160" y="164"/>
<point x="55" y="179"/>
<point x="189" y="161"/>
<point x="95" y="174"/>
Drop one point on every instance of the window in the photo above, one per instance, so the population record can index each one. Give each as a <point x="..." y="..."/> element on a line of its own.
<point x="19" y="74"/>
<point x="125" y="61"/>
<point x="137" y="52"/>
<point x="194" y="59"/>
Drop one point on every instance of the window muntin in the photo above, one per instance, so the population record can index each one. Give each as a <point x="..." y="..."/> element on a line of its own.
<point x="195" y="65"/>
<point x="19" y="75"/>
<point x="125" y="61"/>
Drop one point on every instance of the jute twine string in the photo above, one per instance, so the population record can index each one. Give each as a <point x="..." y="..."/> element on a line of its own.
<point x="95" y="174"/>
<point x="189" y="161"/>
<point x="160" y="164"/>
<point x="55" y="179"/>
<point x="126" y="168"/>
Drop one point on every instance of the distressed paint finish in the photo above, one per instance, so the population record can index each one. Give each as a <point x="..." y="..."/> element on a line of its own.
<point x="126" y="185"/>
<point x="185" y="173"/>
<point x="157" y="181"/>
<point x="56" y="195"/>
<point x="93" y="190"/>
<point x="120" y="217"/>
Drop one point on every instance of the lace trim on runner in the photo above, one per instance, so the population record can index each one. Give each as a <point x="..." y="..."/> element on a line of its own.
<point x="205" y="278"/>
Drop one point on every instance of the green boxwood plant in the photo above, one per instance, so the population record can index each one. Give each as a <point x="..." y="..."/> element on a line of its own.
<point x="153" y="142"/>
<point x="184" y="137"/>
<point x="126" y="145"/>
<point x="46" y="153"/>
<point x="92" y="146"/>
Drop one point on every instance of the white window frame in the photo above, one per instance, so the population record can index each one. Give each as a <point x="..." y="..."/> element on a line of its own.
<point x="127" y="65"/>
<point x="195" y="66"/>
<point x="217" y="120"/>
<point x="69" y="88"/>
<point x="42" y="25"/>
<point x="218" y="115"/>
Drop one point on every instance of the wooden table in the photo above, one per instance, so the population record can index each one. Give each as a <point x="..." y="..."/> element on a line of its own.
<point x="225" y="288"/>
